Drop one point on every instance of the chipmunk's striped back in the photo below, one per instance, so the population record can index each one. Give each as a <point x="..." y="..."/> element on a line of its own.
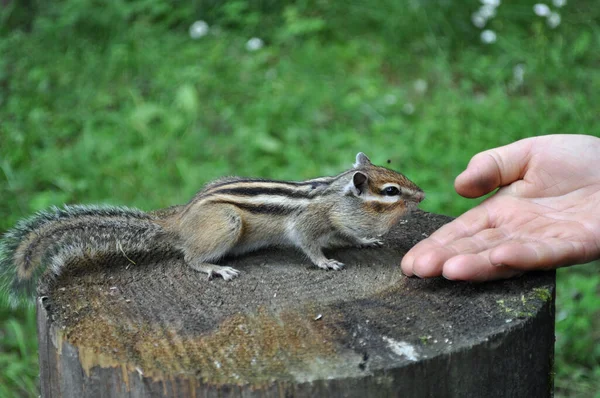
<point x="264" y="196"/>
<point x="286" y="197"/>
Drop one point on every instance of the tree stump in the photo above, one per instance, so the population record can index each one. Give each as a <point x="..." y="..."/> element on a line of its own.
<point x="147" y="325"/>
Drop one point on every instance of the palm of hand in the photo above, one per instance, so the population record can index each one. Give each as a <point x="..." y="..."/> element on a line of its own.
<point x="546" y="215"/>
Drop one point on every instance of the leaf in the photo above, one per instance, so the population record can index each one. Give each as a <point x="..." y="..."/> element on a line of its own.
<point x="581" y="45"/>
<point x="186" y="99"/>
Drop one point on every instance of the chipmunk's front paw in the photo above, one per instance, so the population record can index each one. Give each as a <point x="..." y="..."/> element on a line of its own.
<point x="331" y="264"/>
<point x="227" y="273"/>
<point x="370" y="242"/>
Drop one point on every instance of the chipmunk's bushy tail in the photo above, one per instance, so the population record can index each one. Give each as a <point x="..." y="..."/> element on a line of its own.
<point x="54" y="237"/>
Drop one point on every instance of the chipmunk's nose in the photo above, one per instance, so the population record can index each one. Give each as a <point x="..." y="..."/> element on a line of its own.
<point x="419" y="196"/>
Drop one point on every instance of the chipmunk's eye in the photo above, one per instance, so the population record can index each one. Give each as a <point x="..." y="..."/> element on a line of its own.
<point x="390" y="191"/>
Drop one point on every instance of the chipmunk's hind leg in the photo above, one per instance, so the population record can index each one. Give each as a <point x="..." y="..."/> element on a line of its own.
<point x="213" y="233"/>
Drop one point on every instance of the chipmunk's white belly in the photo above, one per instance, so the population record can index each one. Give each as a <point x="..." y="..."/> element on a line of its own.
<point x="292" y="236"/>
<point x="260" y="234"/>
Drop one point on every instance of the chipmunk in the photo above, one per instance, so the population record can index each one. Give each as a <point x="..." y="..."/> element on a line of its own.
<point x="229" y="216"/>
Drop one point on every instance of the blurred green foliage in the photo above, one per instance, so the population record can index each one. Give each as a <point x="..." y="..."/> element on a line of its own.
<point x="114" y="102"/>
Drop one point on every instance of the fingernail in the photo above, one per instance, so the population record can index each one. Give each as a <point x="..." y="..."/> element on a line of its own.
<point x="447" y="278"/>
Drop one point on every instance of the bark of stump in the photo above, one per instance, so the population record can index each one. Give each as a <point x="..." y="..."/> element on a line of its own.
<point x="283" y="328"/>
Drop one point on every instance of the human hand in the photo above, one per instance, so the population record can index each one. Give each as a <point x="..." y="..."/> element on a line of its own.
<point x="545" y="215"/>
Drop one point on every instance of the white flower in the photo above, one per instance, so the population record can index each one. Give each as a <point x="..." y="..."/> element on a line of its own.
<point x="420" y="86"/>
<point x="518" y="74"/>
<point x="541" y="10"/>
<point x="408" y="108"/>
<point x="487" y="11"/>
<point x="198" y="29"/>
<point x="553" y="20"/>
<point x="478" y="20"/>
<point x="493" y="3"/>
<point x="390" y="99"/>
<point x="488" y="36"/>
<point x="559" y="3"/>
<point x="254" y="44"/>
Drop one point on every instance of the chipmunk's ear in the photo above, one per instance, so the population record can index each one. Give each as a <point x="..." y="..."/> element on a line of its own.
<point x="359" y="183"/>
<point x="361" y="160"/>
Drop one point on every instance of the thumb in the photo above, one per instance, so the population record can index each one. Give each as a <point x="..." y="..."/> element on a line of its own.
<point x="494" y="168"/>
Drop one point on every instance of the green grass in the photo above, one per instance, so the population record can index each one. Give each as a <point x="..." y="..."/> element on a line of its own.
<point x="115" y="103"/>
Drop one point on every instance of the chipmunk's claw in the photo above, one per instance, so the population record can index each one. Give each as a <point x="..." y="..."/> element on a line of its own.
<point x="331" y="264"/>
<point x="370" y="242"/>
<point x="227" y="273"/>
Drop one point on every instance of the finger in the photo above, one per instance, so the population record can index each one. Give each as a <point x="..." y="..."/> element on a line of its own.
<point x="421" y="252"/>
<point x="549" y="254"/>
<point x="430" y="263"/>
<point x="494" y="168"/>
<point x="476" y="268"/>
<point x="468" y="224"/>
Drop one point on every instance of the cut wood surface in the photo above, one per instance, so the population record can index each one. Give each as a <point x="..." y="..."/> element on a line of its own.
<point x="144" y="324"/>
